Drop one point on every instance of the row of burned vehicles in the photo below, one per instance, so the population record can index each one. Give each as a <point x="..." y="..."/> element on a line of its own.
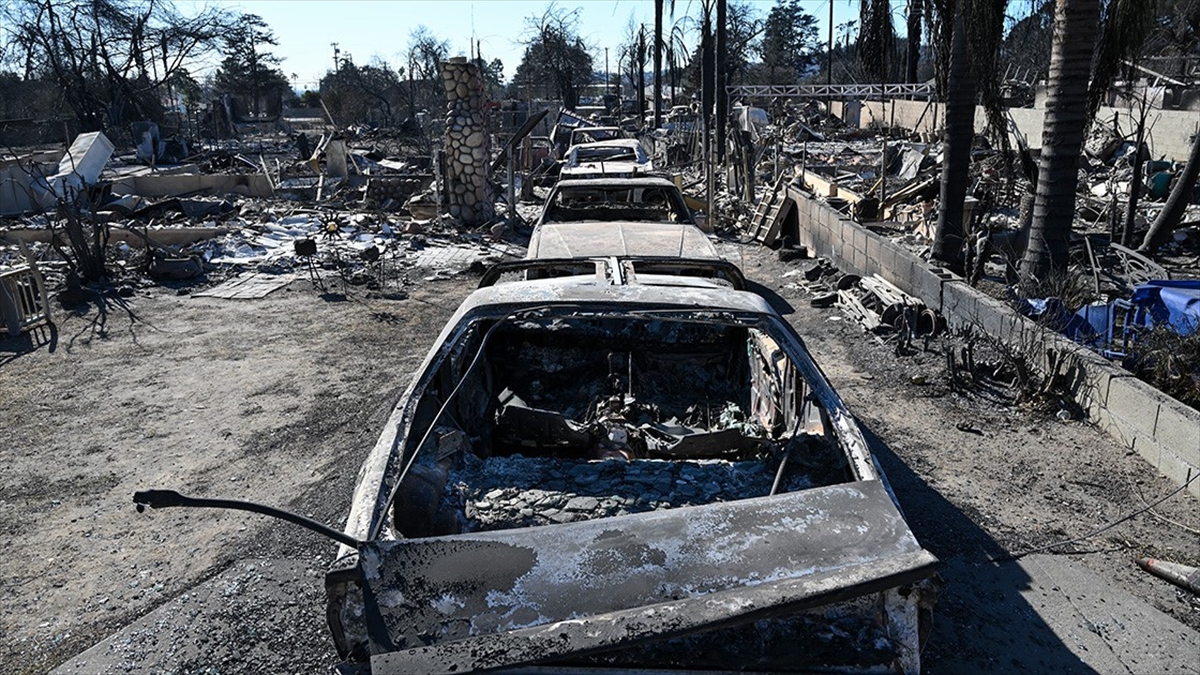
<point x="615" y="458"/>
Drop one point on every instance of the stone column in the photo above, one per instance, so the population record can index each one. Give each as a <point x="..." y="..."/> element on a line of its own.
<point x="467" y="144"/>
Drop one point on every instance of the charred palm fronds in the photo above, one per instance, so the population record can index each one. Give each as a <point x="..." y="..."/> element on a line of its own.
<point x="877" y="40"/>
<point x="1123" y="30"/>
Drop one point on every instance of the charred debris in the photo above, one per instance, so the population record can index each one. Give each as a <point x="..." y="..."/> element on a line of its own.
<point x="1132" y="288"/>
<point x="574" y="455"/>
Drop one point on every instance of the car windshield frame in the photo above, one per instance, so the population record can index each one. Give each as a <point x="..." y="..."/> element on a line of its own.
<point x="599" y="201"/>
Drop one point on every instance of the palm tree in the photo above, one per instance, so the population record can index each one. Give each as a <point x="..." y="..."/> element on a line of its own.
<point x="974" y="42"/>
<point x="677" y="54"/>
<point x="1075" y="30"/>
<point x="960" y="134"/>
<point x="876" y="39"/>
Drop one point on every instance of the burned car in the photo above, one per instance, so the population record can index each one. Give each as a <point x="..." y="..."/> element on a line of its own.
<point x="602" y="471"/>
<point x="615" y="467"/>
<point x="620" y="157"/>
<point x="612" y="216"/>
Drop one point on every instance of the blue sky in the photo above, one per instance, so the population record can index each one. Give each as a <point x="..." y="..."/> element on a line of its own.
<point x="368" y="29"/>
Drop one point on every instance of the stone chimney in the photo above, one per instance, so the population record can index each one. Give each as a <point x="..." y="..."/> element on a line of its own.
<point x="468" y="157"/>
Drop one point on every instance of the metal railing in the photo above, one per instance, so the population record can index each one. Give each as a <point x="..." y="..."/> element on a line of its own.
<point x="869" y="91"/>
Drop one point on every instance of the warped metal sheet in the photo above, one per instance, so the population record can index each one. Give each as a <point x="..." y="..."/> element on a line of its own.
<point x="486" y="600"/>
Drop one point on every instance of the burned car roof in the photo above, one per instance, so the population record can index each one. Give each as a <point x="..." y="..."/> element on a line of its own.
<point x="703" y="272"/>
<point x="694" y="298"/>
<point x="619" y="238"/>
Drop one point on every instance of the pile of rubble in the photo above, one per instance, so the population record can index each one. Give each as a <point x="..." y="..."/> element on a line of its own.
<point x="517" y="491"/>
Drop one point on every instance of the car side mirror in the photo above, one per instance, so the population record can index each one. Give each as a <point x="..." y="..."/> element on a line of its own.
<point x="702" y="222"/>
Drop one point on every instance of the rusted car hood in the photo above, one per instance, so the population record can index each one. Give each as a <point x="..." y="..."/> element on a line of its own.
<point x="623" y="239"/>
<point x="510" y="597"/>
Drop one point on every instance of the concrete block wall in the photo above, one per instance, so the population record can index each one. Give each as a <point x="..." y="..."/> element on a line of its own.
<point x="1170" y="137"/>
<point x="1160" y="429"/>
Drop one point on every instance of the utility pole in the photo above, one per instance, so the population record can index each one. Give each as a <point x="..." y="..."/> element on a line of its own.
<point x="641" y="76"/>
<point x="829" y="54"/>
<point x="337" y="64"/>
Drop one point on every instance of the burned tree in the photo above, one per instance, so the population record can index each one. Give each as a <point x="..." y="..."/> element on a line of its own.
<point x="426" y="53"/>
<point x="110" y="58"/>
<point x="556" y="60"/>
<point x="1171" y="216"/>
<point x="876" y="40"/>
<point x="367" y="93"/>
<point x="248" y="71"/>
<point x="633" y="55"/>
<point x="970" y="72"/>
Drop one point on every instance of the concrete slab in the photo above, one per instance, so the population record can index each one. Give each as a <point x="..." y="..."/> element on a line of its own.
<point x="1049" y="614"/>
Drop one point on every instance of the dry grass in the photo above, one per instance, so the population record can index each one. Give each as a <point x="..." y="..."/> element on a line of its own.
<point x="1170" y="362"/>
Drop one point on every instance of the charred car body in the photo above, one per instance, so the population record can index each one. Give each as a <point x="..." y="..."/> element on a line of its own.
<point x="620" y="157"/>
<point x="617" y="470"/>
<point x="639" y="199"/>
<point x="637" y="217"/>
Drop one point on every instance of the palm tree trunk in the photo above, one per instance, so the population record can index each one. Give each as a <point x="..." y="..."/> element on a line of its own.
<point x="1168" y="219"/>
<point x="960" y="135"/>
<point x="1075" y="23"/>
<point x="722" y="75"/>
<point x="914" y="40"/>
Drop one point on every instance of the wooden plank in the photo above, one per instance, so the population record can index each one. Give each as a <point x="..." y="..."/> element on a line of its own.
<point x="248" y="287"/>
<point x="776" y="222"/>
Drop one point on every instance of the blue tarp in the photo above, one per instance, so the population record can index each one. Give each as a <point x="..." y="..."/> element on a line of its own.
<point x="1052" y="313"/>
<point x="1160" y="302"/>
<point x="1175" y="303"/>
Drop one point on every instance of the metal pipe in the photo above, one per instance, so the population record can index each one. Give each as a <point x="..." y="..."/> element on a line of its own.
<point x="160" y="499"/>
<point x="779" y="473"/>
